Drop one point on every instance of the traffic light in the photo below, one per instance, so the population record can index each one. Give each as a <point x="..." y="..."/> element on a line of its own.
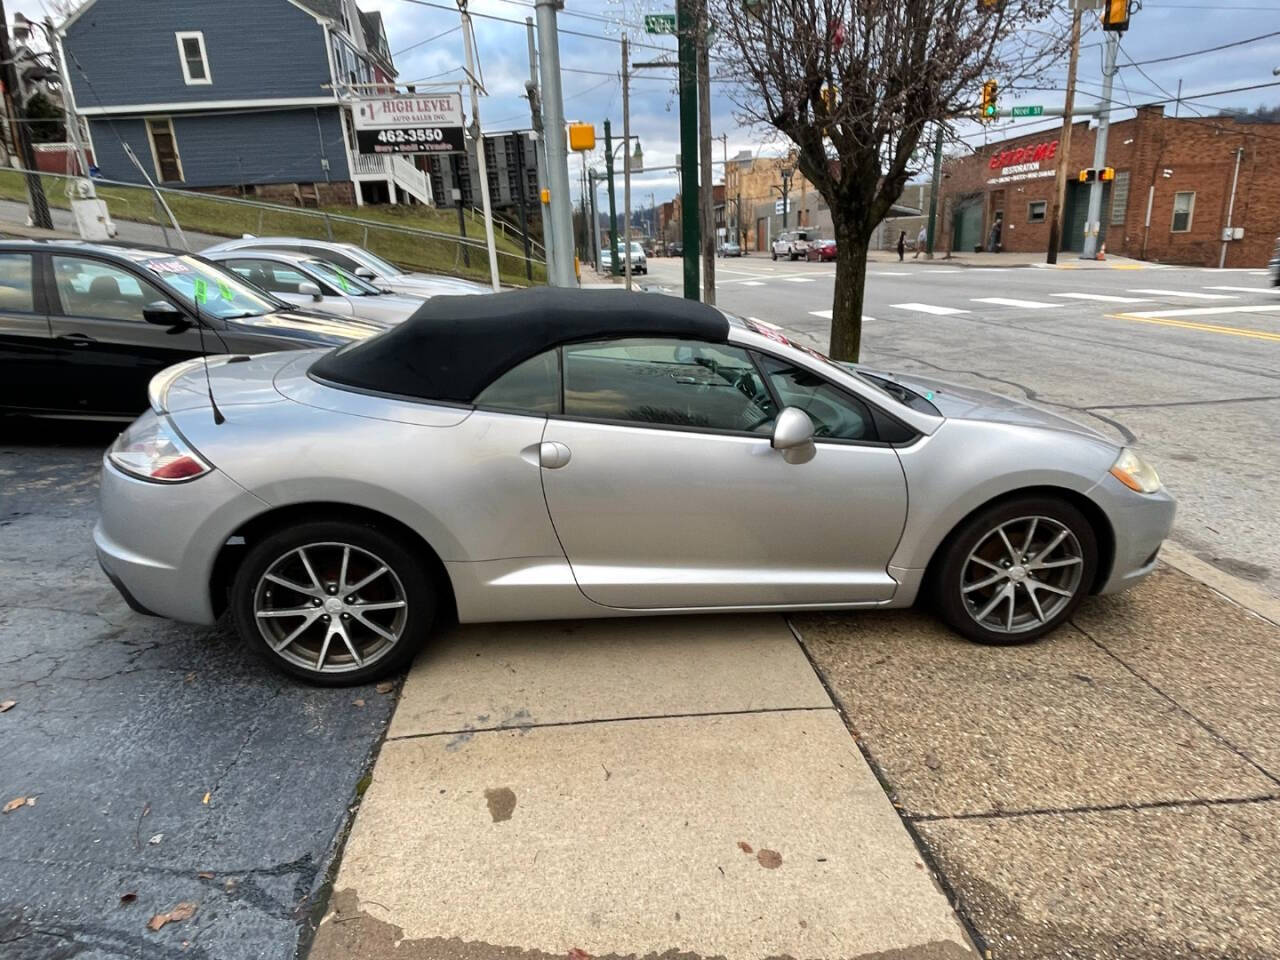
<point x="989" y="108"/>
<point x="1095" y="173"/>
<point x="1115" y="15"/>
<point x="1107" y="173"/>
<point x="1087" y="176"/>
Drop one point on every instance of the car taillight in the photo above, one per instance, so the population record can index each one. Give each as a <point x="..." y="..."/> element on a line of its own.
<point x="152" y="450"/>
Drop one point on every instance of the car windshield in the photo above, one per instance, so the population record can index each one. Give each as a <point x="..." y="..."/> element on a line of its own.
<point x="335" y="276"/>
<point x="215" y="290"/>
<point x="375" y="263"/>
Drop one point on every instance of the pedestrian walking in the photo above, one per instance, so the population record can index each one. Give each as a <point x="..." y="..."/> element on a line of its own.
<point x="922" y="241"/>
<point x="902" y="245"/>
<point x="993" y="241"/>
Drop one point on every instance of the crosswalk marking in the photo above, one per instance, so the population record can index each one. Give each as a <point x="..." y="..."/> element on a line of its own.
<point x="1186" y="293"/>
<point x="1010" y="302"/>
<point x="1105" y="298"/>
<point x="826" y="315"/>
<point x="928" y="308"/>
<point x="891" y="273"/>
<point x="798" y="279"/>
<point x="753" y="283"/>
<point x="1241" y="289"/>
<point x="1201" y="311"/>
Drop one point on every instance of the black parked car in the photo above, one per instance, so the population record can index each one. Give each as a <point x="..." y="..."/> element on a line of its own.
<point x="84" y="327"/>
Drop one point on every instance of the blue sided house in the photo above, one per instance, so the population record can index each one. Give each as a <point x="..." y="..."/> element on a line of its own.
<point x="248" y="97"/>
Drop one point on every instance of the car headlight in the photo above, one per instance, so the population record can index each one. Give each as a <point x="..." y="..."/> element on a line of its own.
<point x="152" y="450"/>
<point x="1135" y="473"/>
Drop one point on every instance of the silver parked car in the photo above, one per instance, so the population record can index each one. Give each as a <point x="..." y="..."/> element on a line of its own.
<point x="591" y="453"/>
<point x="317" y="284"/>
<point x="361" y="262"/>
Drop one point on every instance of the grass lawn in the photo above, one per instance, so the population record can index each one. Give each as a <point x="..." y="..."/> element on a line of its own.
<point x="377" y="232"/>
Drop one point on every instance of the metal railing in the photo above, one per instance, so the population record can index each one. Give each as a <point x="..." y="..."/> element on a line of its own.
<point x="222" y="216"/>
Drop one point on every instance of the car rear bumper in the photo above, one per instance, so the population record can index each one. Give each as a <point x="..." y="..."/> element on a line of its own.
<point x="1140" y="522"/>
<point x="157" y="543"/>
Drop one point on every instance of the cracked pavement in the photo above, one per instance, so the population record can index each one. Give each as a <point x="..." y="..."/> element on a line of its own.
<point x="124" y="723"/>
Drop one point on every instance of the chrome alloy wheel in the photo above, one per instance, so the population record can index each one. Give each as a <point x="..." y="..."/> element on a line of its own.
<point x="1012" y="589"/>
<point x="330" y="607"/>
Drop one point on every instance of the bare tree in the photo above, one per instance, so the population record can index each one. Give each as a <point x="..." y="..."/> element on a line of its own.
<point x="855" y="83"/>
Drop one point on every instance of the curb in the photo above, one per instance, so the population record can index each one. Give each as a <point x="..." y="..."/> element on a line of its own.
<point x="1239" y="591"/>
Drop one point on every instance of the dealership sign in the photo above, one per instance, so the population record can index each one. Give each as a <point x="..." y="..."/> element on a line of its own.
<point x="418" y="124"/>
<point x="1022" y="163"/>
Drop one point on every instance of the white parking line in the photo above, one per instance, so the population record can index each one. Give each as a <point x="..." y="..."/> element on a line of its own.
<point x="1203" y="311"/>
<point x="928" y="308"/>
<point x="1242" y="289"/>
<point x="1010" y="302"/>
<point x="1105" y="298"/>
<point x="1185" y="293"/>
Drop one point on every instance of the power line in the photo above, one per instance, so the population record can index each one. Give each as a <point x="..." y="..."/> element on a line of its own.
<point x="414" y="46"/>
<point x="1197" y="53"/>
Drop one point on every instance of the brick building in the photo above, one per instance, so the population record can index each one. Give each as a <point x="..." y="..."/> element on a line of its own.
<point x="1181" y="168"/>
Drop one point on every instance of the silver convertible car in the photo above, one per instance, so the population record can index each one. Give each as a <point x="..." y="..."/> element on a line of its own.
<point x="587" y="453"/>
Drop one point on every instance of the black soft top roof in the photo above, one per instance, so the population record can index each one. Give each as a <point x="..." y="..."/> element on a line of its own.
<point x="454" y="347"/>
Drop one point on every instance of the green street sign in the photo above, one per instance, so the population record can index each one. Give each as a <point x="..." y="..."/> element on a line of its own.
<point x="1036" y="111"/>
<point x="660" y="23"/>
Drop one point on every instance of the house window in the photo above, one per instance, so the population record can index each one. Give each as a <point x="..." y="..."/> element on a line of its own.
<point x="164" y="150"/>
<point x="1035" y="211"/>
<point x="1184" y="204"/>
<point x="194" y="60"/>
<point x="1119" y="198"/>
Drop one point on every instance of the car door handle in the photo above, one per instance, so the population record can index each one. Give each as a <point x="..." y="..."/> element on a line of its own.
<point x="553" y="455"/>
<point x="77" y="339"/>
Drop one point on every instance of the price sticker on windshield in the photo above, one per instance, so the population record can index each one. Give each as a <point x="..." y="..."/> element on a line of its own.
<point x="225" y="291"/>
<point x="201" y="290"/>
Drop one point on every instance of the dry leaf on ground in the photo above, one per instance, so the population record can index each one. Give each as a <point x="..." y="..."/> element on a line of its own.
<point x="129" y="897"/>
<point x="183" y="911"/>
<point x="358" y="702"/>
<point x="205" y="874"/>
<point x="386" y="686"/>
<point x="17" y="802"/>
<point x="205" y="801"/>
<point x="7" y="705"/>
<point x="156" y="839"/>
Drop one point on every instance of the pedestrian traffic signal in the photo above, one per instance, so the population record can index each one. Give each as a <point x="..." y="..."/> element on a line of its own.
<point x="1087" y="175"/>
<point x="1115" y="15"/>
<point x="1097" y="173"/>
<point x="989" y="108"/>
<point x="1107" y="173"/>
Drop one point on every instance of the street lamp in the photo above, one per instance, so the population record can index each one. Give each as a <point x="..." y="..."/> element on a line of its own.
<point x="785" y="172"/>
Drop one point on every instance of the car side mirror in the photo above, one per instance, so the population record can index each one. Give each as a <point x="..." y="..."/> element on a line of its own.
<point x="364" y="273"/>
<point x="309" y="289"/>
<point x="164" y="314"/>
<point x="793" y="435"/>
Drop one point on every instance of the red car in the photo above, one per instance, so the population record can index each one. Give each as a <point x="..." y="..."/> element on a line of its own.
<point x="821" y="250"/>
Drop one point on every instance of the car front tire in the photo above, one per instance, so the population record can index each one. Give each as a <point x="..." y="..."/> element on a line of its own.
<point x="775" y="254"/>
<point x="333" y="602"/>
<point x="1016" y="570"/>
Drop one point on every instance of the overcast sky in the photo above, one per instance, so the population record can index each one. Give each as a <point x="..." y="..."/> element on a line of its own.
<point x="592" y="86"/>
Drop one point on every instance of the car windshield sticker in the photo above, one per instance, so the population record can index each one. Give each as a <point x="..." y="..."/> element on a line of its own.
<point x="168" y="266"/>
<point x="227" y="293"/>
<point x="201" y="291"/>
<point x="342" y="282"/>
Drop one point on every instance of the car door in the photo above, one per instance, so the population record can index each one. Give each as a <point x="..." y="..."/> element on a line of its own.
<point x="665" y="490"/>
<point x="109" y="351"/>
<point x="30" y="377"/>
<point x="284" y="279"/>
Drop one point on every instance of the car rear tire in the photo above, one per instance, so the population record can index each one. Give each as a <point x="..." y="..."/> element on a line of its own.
<point x="333" y="602"/>
<point x="775" y="254"/>
<point x="1016" y="570"/>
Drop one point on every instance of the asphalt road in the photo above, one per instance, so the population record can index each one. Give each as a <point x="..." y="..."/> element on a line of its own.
<point x="1183" y="363"/>
<point x="166" y="765"/>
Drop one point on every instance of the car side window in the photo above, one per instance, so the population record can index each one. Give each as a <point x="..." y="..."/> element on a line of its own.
<point x="836" y="415"/>
<point x="92" y="288"/>
<point x="673" y="382"/>
<point x="266" y="275"/>
<point x="347" y="263"/>
<point x="529" y="387"/>
<point x="16" y="293"/>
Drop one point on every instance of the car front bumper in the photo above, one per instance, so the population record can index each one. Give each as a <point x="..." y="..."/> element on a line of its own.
<point x="157" y="543"/>
<point x="1140" y="522"/>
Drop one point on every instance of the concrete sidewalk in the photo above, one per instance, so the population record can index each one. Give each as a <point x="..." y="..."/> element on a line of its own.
<point x="628" y="788"/>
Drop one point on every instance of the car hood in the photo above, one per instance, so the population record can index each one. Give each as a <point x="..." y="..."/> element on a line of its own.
<point x="321" y="329"/>
<point x="433" y="285"/>
<point x="968" y="403"/>
<point x="386" y="309"/>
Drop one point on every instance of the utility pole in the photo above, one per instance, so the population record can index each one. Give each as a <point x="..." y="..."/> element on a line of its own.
<point x="686" y="26"/>
<point x="521" y="182"/>
<point x="1093" y="224"/>
<point x="557" y="149"/>
<point x="457" y="202"/>
<point x="933" y="194"/>
<point x="40" y="216"/>
<point x="540" y="151"/>
<point x="1064" y="144"/>
<point x="626" y="160"/>
<point x="468" y="41"/>
<point x="1231" y="209"/>
<point x="594" y="231"/>
<point x="707" y="208"/>
<point x="724" y="177"/>
<point x="613" y="206"/>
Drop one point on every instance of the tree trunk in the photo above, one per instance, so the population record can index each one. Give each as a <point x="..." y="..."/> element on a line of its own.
<point x="846" y="303"/>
